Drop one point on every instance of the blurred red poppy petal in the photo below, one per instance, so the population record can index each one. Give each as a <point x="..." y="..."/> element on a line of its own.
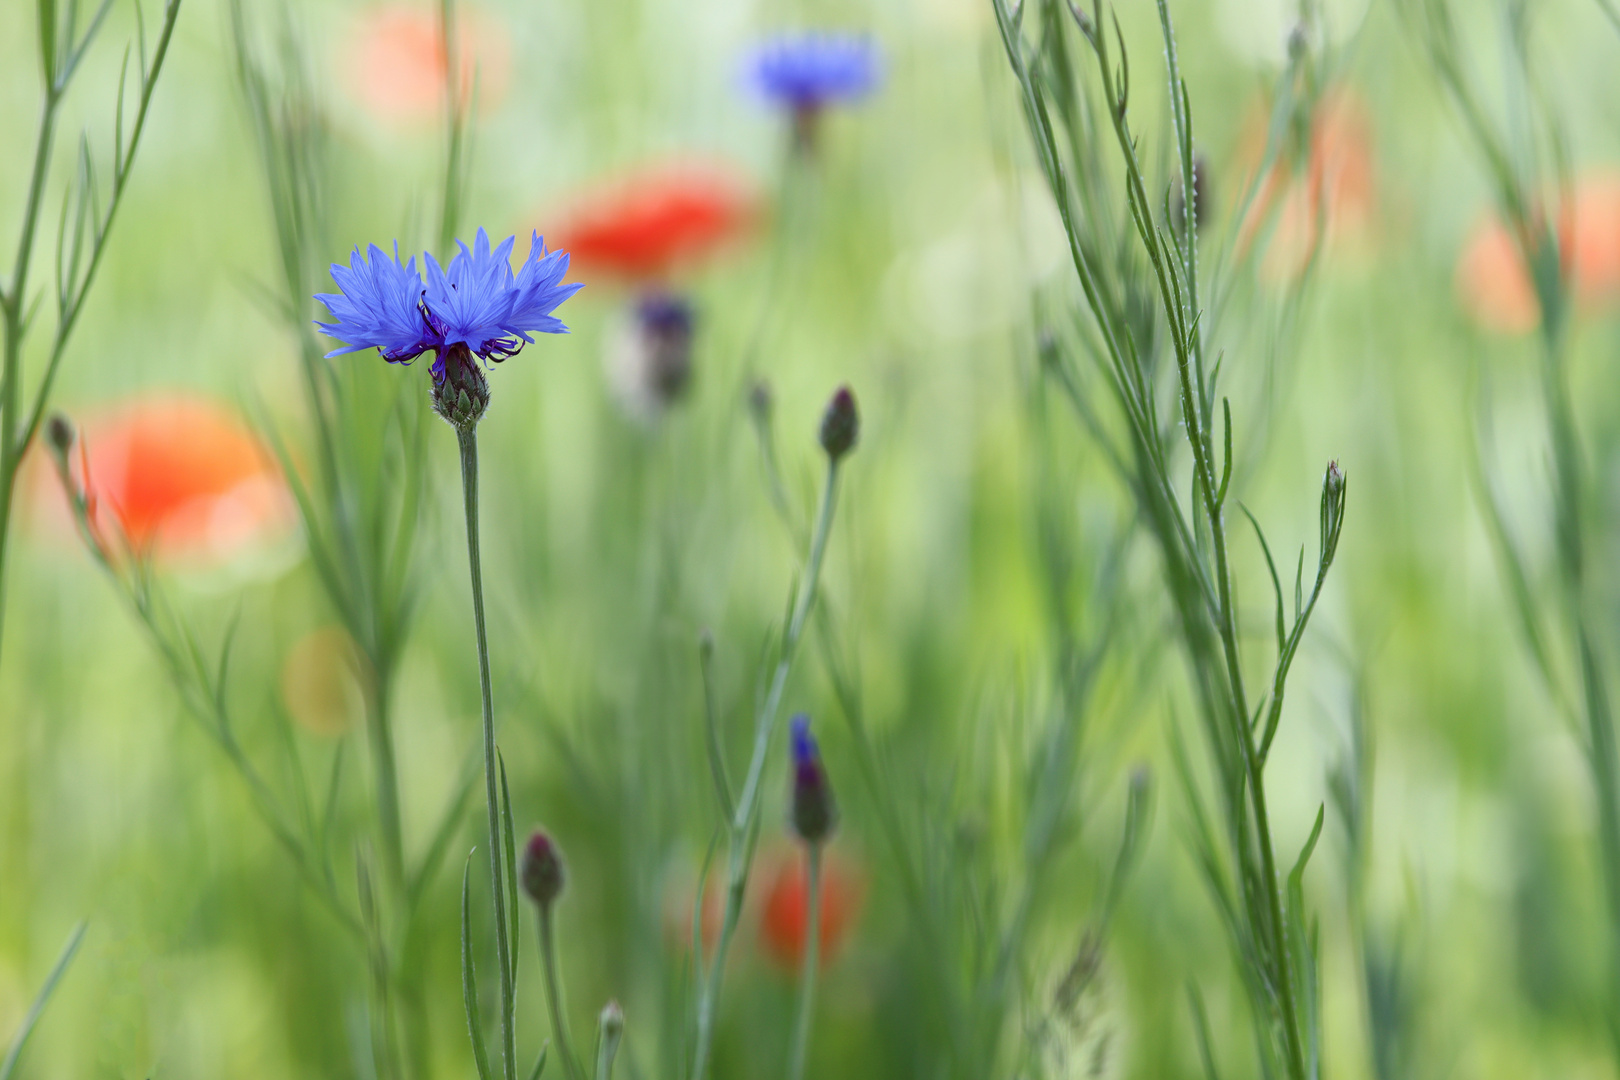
<point x="785" y="917"/>
<point x="647" y="224"/>
<point x="399" y="63"/>
<point x="182" y="478"/>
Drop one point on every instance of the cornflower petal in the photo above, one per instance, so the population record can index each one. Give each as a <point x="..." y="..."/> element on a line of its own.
<point x="471" y="299"/>
<point x="809" y="70"/>
<point x="378" y="306"/>
<point x="539" y="289"/>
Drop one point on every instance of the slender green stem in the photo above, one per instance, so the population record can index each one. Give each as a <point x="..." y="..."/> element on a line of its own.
<point x="468" y="437"/>
<point x="554" y="999"/>
<point x="380" y="731"/>
<point x="801" y="610"/>
<point x="14" y="308"/>
<point x="810" y="965"/>
<point x="744" y="818"/>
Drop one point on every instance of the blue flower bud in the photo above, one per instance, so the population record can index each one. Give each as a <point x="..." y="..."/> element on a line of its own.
<point x="814" y="813"/>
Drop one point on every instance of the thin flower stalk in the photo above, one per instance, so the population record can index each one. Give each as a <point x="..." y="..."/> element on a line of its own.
<point x="805" y="1016"/>
<point x="80" y="246"/>
<point x="839" y="431"/>
<point x="468" y="439"/>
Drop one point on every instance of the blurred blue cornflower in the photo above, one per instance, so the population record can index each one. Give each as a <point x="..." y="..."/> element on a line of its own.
<point x="474" y="307"/>
<point x="806" y="71"/>
<point x="814" y="813"/>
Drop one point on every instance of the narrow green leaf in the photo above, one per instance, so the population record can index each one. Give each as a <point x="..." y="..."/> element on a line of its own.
<point x="509" y="845"/>
<point x="1297" y="874"/>
<point x="540" y="1062"/>
<point x="1201" y="1028"/>
<point x="1276" y="583"/>
<point x="469" y="977"/>
<point x="9" y="1065"/>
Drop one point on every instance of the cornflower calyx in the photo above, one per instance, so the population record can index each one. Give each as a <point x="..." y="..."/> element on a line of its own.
<point x="840" y="424"/>
<point x="540" y="869"/>
<point x="814" y="812"/>
<point x="473" y="307"/>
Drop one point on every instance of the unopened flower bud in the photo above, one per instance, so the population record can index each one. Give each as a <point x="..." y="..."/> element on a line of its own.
<point x="541" y="869"/>
<point x="649" y="358"/>
<point x="814" y="812"/>
<point x="610" y="1030"/>
<point x="1333" y="491"/>
<point x="840" y="424"/>
<point x="1299" y="40"/>
<point x="59" y="434"/>
<point x="759" y="401"/>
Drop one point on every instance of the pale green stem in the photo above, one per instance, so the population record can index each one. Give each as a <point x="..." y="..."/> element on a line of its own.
<point x="810" y="965"/>
<point x="468" y="437"/>
<point x="747" y="803"/>
<point x="554" y="1002"/>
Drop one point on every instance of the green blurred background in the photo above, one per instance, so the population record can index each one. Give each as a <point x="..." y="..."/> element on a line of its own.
<point x="611" y="544"/>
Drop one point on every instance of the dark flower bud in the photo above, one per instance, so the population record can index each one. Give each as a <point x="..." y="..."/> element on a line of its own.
<point x="1299" y="41"/>
<point x="759" y="402"/>
<point x="59" y="433"/>
<point x="840" y="424"/>
<point x="460" y="389"/>
<point x="649" y="359"/>
<point x="540" y="870"/>
<point x="814" y="812"/>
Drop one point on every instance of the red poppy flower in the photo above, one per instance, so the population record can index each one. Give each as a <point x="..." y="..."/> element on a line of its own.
<point x="785" y="916"/>
<point x="647" y="224"/>
<point x="182" y="478"/>
<point x="1331" y="199"/>
<point x="1494" y="285"/>
<point x="400" y="64"/>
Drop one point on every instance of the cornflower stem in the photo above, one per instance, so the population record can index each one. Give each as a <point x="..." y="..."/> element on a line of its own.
<point x="554" y="1001"/>
<point x="745" y="816"/>
<point x="468" y="437"/>
<point x="810" y="965"/>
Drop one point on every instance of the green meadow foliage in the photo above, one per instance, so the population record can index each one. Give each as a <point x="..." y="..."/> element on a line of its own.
<point x="1064" y="539"/>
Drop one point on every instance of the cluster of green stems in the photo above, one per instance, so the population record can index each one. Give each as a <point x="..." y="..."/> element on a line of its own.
<point x="1128" y="314"/>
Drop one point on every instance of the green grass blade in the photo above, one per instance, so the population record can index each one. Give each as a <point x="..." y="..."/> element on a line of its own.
<point x="9" y="1066"/>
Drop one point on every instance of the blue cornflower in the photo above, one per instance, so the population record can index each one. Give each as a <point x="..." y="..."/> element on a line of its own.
<point x="814" y="813"/>
<point x="807" y="71"/>
<point x="475" y="307"/>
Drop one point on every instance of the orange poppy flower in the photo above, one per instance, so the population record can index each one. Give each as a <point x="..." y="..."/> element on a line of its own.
<point x="1493" y="283"/>
<point x="182" y="478"/>
<point x="647" y="224"/>
<point x="785" y="914"/>
<point x="1330" y="200"/>
<point x="400" y="64"/>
